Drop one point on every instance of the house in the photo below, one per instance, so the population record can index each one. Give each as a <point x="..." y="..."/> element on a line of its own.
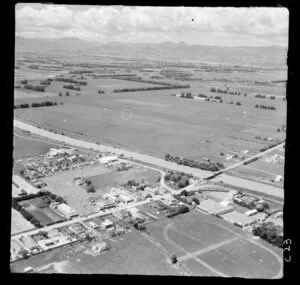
<point x="110" y="196"/>
<point x="153" y="191"/>
<point x="72" y="158"/>
<point x="28" y="269"/>
<point x="229" y="157"/>
<point x="246" y="151"/>
<point x="126" y="198"/>
<point x="108" y="159"/>
<point x="66" y="210"/>
<point x="144" y="195"/>
<point x="278" y="178"/>
<point x="30" y="244"/>
<point x="106" y="224"/>
<point x="93" y="225"/>
<point x="99" y="247"/>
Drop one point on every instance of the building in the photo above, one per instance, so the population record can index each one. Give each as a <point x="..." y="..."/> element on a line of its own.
<point x="126" y="198"/>
<point x="144" y="195"/>
<point x="110" y="197"/>
<point x="152" y="190"/>
<point x="278" y="215"/>
<point x="278" y="178"/>
<point x="106" y="224"/>
<point x="28" y="269"/>
<point x="53" y="152"/>
<point x="108" y="159"/>
<point x="229" y="157"/>
<point x="222" y="210"/>
<point x="93" y="225"/>
<point x="66" y="210"/>
<point x="250" y="212"/>
<point x="29" y="244"/>
<point x="72" y="158"/>
<point x="238" y="219"/>
<point x="99" y="247"/>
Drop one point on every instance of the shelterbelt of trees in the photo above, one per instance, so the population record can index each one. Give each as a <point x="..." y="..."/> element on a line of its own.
<point x="139" y="79"/>
<point x="151" y="88"/>
<point x="205" y="165"/>
<point x="70" y="80"/>
<point x="34" y="105"/>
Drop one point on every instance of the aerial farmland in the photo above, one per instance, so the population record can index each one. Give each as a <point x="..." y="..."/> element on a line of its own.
<point x="148" y="158"/>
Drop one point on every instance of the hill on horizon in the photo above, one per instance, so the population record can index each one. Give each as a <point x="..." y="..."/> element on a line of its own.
<point x="266" y="55"/>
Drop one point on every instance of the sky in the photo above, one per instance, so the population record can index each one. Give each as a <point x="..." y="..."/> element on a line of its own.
<point x="191" y="25"/>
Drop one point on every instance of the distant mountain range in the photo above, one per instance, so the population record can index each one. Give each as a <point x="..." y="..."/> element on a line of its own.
<point x="269" y="55"/>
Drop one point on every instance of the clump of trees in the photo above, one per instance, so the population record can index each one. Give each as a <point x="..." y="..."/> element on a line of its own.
<point x="100" y="91"/>
<point x="46" y="82"/>
<point x="179" y="179"/>
<point x="205" y="165"/>
<point x="265" y="107"/>
<point x="89" y="186"/>
<point x="187" y="95"/>
<point x="24" y="81"/>
<point x="260" y="96"/>
<point x="43" y="104"/>
<point x="269" y="232"/>
<point x="22" y="106"/>
<point x="224" y="91"/>
<point x="272" y="97"/>
<point x="71" y="87"/>
<point x="35" y="88"/>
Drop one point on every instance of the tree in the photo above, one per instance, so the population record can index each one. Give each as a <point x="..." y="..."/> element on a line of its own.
<point x="67" y="93"/>
<point x="184" y="193"/>
<point x="174" y="259"/>
<point x="196" y="201"/>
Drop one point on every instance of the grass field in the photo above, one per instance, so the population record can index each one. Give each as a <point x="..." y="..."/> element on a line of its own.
<point x="62" y="184"/>
<point x="202" y="128"/>
<point x="195" y="236"/>
<point x="27" y="147"/>
<point x="45" y="216"/>
<point x="131" y="254"/>
<point x="243" y="259"/>
<point x="114" y="179"/>
<point x="22" y="94"/>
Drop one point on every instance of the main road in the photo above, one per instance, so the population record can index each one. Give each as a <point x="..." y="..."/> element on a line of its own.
<point x="239" y="182"/>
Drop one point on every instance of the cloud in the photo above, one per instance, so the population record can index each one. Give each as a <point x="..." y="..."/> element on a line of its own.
<point x="105" y="23"/>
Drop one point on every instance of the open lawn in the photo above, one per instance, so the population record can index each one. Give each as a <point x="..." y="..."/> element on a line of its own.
<point x="195" y="236"/>
<point x="18" y="223"/>
<point x="201" y="128"/>
<point x="62" y="184"/>
<point x="114" y="179"/>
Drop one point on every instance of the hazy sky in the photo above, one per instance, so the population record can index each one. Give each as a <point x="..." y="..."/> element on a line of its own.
<point x="208" y="26"/>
